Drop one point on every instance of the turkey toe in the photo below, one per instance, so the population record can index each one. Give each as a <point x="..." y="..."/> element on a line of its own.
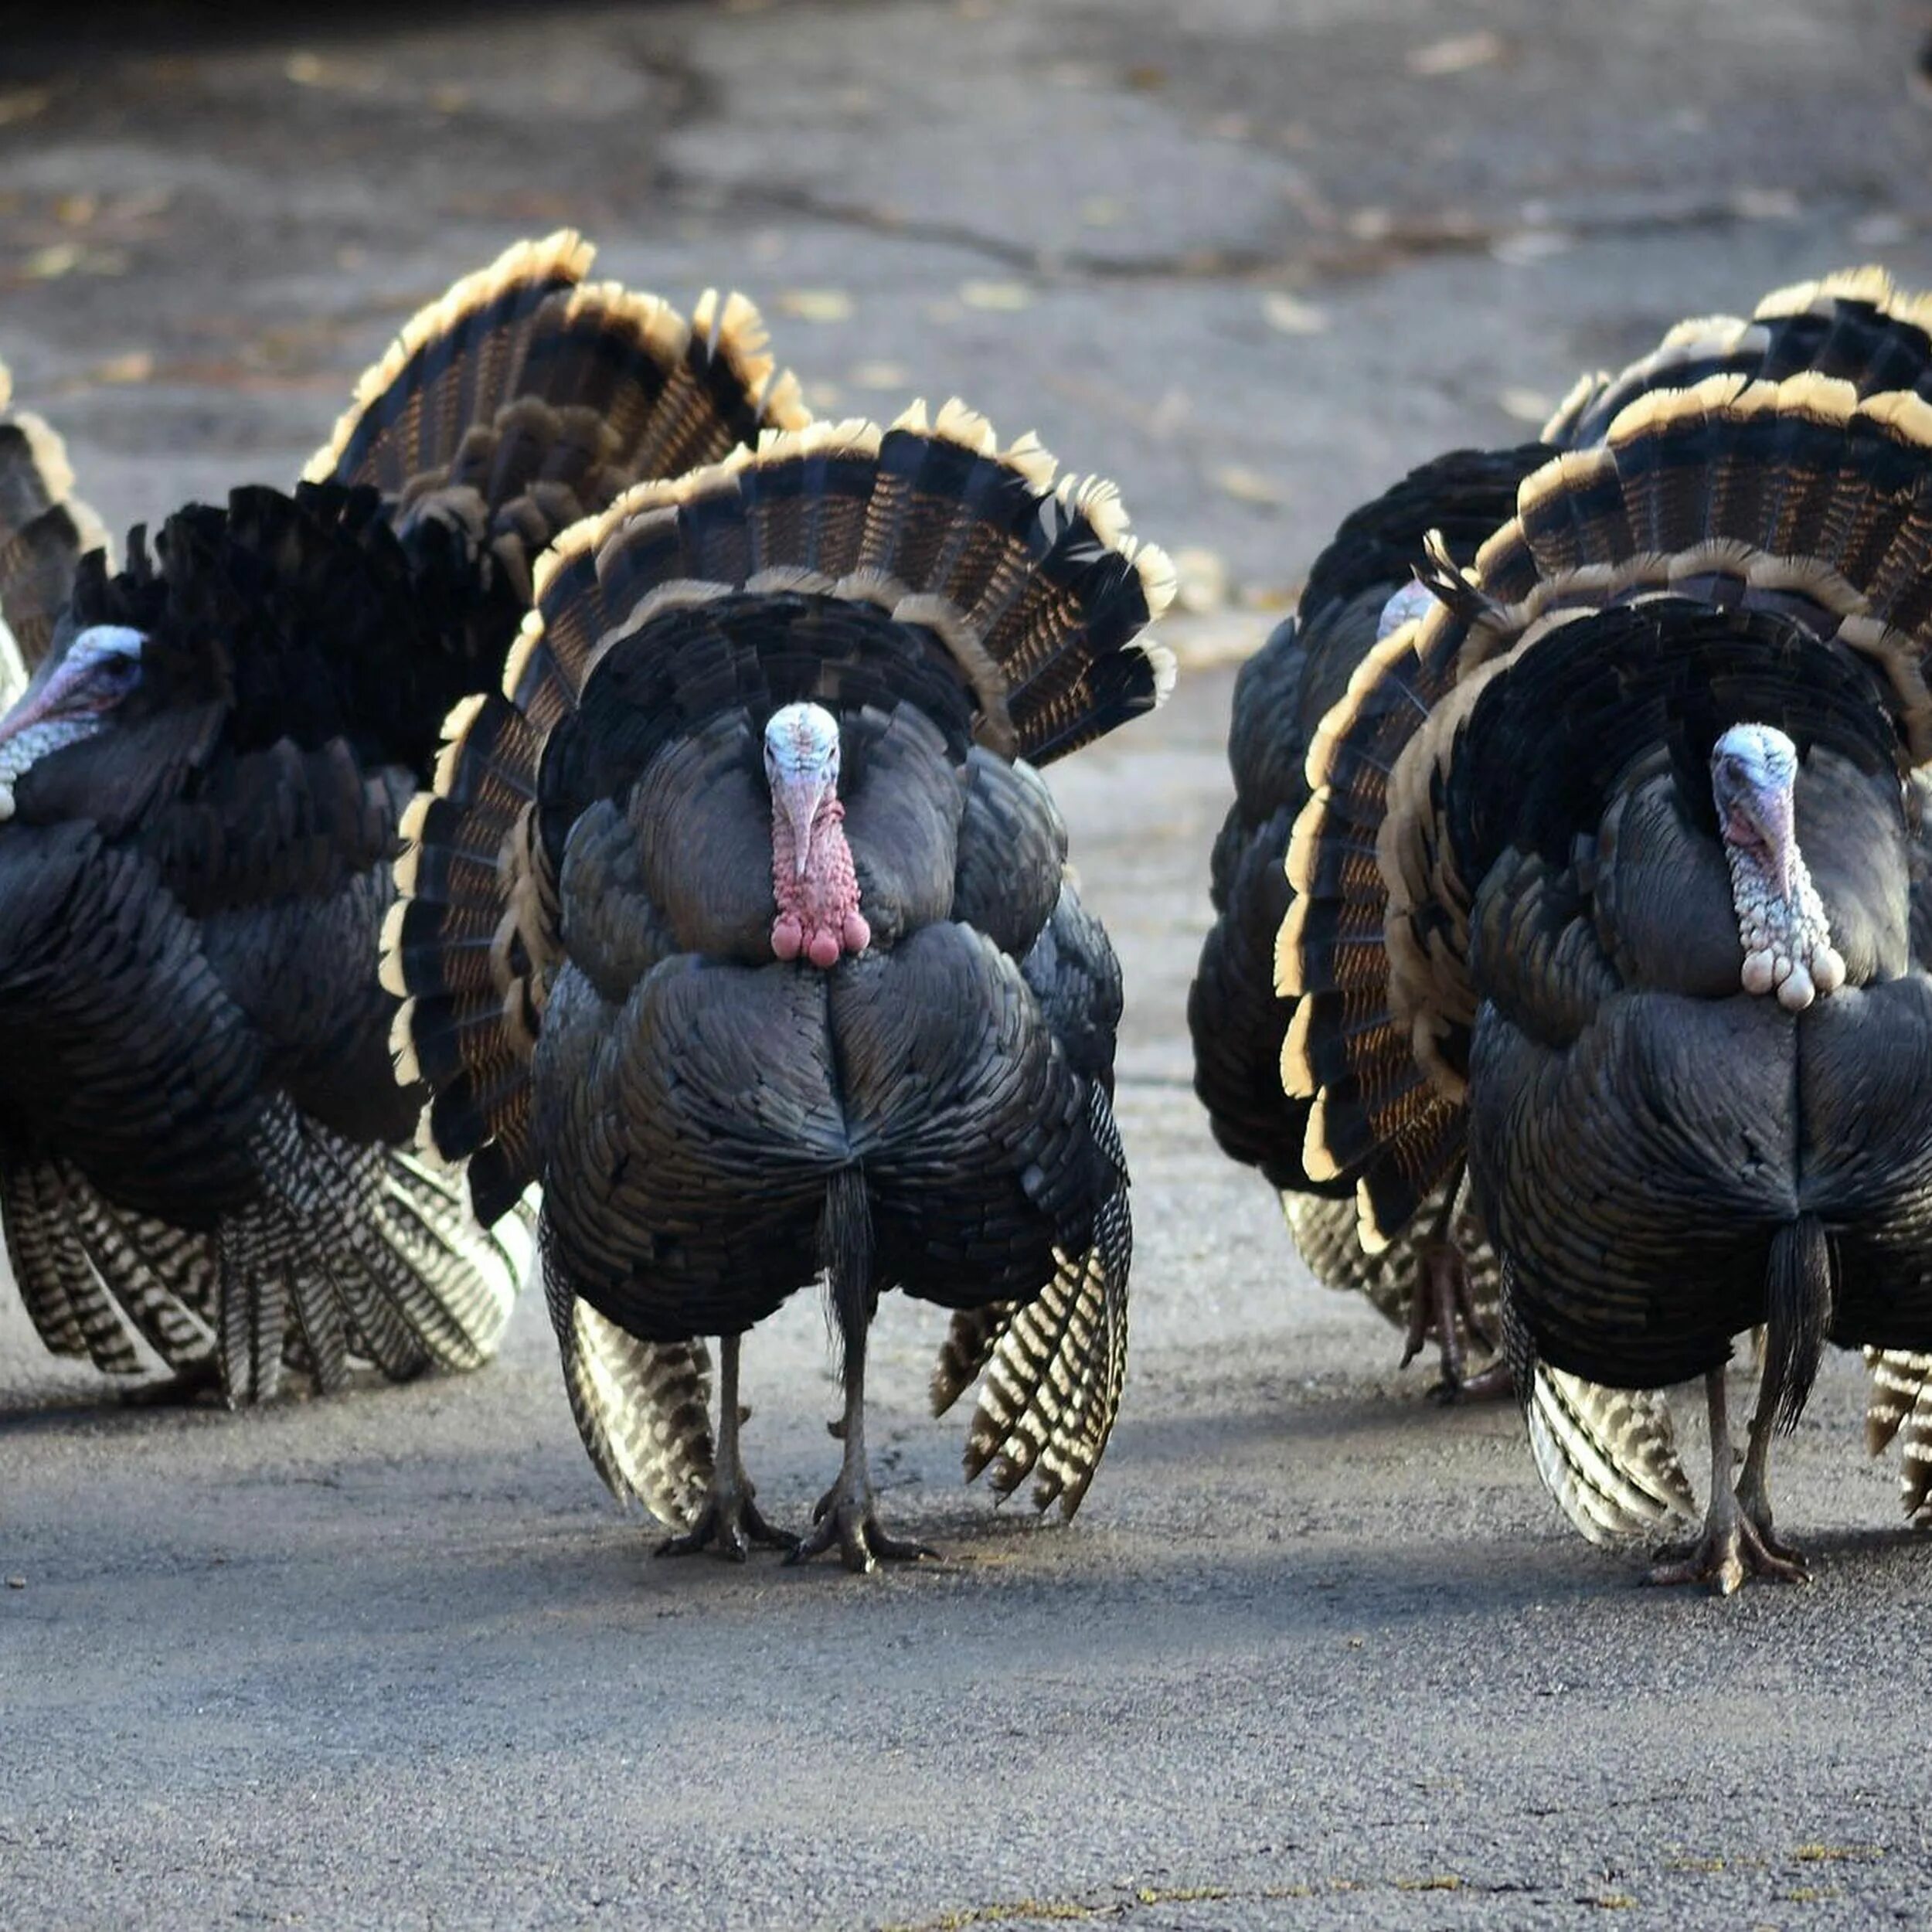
<point x="729" y="1525"/>
<point x="1732" y="1550"/>
<point x="850" y="1521"/>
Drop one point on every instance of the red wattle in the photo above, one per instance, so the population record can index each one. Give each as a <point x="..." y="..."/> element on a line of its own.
<point x="818" y="916"/>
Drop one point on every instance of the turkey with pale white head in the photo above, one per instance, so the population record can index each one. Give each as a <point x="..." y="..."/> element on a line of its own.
<point x="741" y="921"/>
<point x="202" y="1147"/>
<point x="1610" y="889"/>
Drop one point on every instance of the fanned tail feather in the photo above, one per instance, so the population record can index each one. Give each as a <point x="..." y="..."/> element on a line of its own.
<point x="1853" y="325"/>
<point x="354" y="1251"/>
<point x="1608" y="1457"/>
<point x="1054" y="1367"/>
<point x="526" y="397"/>
<point x="1021" y="607"/>
<point x="449" y="368"/>
<point x="640" y="1407"/>
<point x="1036" y="596"/>
<point x="462" y="947"/>
<point x="1899" y="1407"/>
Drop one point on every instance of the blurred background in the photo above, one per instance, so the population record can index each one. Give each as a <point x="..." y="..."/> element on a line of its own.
<point x="395" y="1661"/>
<point x="1250" y="258"/>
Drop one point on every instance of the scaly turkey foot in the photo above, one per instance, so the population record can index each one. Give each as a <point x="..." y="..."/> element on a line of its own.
<point x="1443" y="1306"/>
<point x="1737" y="1544"/>
<point x="1487" y="1385"/>
<point x="729" y="1520"/>
<point x="199" y="1382"/>
<point x="844" y="1511"/>
<point x="1754" y="1500"/>
<point x="849" y="1521"/>
<point x="730" y="1524"/>
<point x="1728" y="1555"/>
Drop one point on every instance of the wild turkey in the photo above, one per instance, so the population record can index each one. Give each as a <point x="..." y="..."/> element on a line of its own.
<point x="741" y="922"/>
<point x="1612" y="884"/>
<point x="1359" y="585"/>
<point x="1609" y="1455"/>
<point x="201" y="1143"/>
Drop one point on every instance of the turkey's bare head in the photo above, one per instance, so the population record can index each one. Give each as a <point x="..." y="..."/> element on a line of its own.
<point x="1780" y="919"/>
<point x="71" y="698"/>
<point x="812" y="878"/>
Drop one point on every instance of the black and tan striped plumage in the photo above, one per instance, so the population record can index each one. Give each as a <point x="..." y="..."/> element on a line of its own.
<point x="1512" y="942"/>
<point x="585" y="941"/>
<point x="1437" y="1274"/>
<point x="201" y="1143"/>
<point x="1237" y="1019"/>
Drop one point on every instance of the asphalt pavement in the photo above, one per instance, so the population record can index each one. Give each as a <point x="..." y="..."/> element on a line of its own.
<point x="1316" y="1652"/>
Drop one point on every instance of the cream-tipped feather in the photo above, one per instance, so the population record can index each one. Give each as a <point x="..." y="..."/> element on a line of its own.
<point x="388" y="970"/>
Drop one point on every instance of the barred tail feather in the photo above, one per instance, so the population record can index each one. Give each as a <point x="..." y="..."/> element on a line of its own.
<point x="1608" y="1457"/>
<point x="448" y="1285"/>
<point x="163" y="1278"/>
<point x="1052" y="1389"/>
<point x="971" y="1338"/>
<point x="320" y="1329"/>
<point x="66" y="1301"/>
<point x="640" y="1407"/>
<point x="1327" y="1233"/>
<point x="255" y="1249"/>
<point x="354" y="1251"/>
<point x="1899" y="1406"/>
<point x="1054" y="1367"/>
<point x="99" y="1282"/>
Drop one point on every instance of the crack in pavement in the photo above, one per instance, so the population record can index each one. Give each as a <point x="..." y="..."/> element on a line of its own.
<point x="1374" y="248"/>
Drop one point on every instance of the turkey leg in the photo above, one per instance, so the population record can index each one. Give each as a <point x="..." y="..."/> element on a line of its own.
<point x="845" y="1514"/>
<point x="1441" y="1301"/>
<point x="730" y="1519"/>
<point x="1736" y="1544"/>
<point x="1781" y="1559"/>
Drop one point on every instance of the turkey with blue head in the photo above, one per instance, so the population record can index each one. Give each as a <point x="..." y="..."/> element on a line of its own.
<point x="202" y="1146"/>
<point x="741" y="921"/>
<point x="1610" y="889"/>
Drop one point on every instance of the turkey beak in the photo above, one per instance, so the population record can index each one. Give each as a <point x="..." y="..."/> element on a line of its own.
<point x="67" y="692"/>
<point x="799" y="797"/>
<point x="33" y="707"/>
